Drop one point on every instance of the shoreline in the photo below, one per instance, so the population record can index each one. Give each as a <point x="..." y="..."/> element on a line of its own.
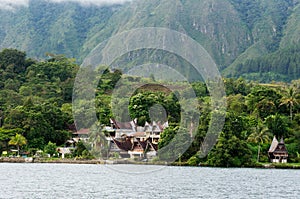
<point x="111" y="162"/>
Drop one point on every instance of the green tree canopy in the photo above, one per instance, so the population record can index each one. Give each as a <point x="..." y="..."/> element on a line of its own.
<point x="18" y="140"/>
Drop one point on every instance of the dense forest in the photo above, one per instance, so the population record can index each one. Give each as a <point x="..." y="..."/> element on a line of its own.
<point x="36" y="102"/>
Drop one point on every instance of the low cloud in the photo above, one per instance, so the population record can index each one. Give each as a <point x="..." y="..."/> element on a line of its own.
<point x="95" y="2"/>
<point x="13" y="4"/>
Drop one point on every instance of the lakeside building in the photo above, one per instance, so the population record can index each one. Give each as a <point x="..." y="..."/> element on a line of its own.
<point x="278" y="152"/>
<point x="132" y="141"/>
<point x="126" y="139"/>
<point x="82" y="134"/>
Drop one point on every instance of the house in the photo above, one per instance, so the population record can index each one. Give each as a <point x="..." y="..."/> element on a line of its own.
<point x="278" y="152"/>
<point x="133" y="141"/>
<point x="82" y="134"/>
<point x="126" y="139"/>
<point x="63" y="151"/>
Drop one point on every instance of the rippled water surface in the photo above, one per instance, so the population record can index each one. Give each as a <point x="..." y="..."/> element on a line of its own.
<point x="138" y="181"/>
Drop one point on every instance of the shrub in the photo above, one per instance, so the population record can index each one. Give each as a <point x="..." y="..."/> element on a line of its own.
<point x="193" y="161"/>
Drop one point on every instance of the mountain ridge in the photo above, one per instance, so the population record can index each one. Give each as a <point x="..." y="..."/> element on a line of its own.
<point x="234" y="32"/>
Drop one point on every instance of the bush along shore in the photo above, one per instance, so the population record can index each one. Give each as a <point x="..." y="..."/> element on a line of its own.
<point x="128" y="161"/>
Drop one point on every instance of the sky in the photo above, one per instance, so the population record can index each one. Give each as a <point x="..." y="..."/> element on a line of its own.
<point x="13" y="4"/>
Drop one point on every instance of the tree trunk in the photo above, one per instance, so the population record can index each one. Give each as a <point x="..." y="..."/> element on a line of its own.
<point x="18" y="147"/>
<point x="291" y="112"/>
<point x="258" y="151"/>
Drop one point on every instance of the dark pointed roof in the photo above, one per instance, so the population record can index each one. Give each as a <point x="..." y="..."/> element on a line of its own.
<point x="143" y="143"/>
<point x="124" y="145"/>
<point x="123" y="125"/>
<point x="281" y="141"/>
<point x="278" y="147"/>
<point x="154" y="146"/>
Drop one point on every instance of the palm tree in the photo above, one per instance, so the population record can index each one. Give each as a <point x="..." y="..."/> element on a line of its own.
<point x="264" y="107"/>
<point x="98" y="141"/>
<point x="18" y="140"/>
<point x="260" y="135"/>
<point x="290" y="100"/>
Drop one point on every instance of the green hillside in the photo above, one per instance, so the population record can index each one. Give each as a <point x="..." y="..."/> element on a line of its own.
<point x="44" y="27"/>
<point x="242" y="36"/>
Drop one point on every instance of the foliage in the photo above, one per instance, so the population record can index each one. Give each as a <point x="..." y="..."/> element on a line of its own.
<point x="282" y="65"/>
<point x="260" y="135"/>
<point x="80" y="148"/>
<point x="255" y="39"/>
<point x="230" y="151"/>
<point x="141" y="102"/>
<point x="50" y="148"/>
<point x="173" y="143"/>
<point x="193" y="161"/>
<point x="18" y="140"/>
<point x="34" y="104"/>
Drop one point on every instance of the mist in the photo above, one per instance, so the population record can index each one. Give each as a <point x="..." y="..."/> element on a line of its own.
<point x="13" y="4"/>
<point x="94" y="2"/>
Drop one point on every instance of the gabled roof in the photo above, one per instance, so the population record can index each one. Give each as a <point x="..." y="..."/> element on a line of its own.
<point x="124" y="145"/>
<point x="124" y="125"/>
<point x="273" y="145"/>
<point x="281" y="141"/>
<point x="144" y="144"/>
<point x="132" y="125"/>
<point x="278" y="147"/>
<point x="154" y="146"/>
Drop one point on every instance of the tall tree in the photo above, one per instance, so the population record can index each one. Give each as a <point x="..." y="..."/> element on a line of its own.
<point x="18" y="140"/>
<point x="290" y="100"/>
<point x="259" y="135"/>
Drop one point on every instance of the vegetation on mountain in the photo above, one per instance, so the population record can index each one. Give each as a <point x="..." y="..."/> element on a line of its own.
<point x="257" y="40"/>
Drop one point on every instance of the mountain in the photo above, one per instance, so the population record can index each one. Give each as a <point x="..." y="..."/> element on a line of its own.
<point x="255" y="39"/>
<point x="49" y="27"/>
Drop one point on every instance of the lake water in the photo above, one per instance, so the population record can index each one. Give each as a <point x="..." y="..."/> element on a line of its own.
<point x="140" y="181"/>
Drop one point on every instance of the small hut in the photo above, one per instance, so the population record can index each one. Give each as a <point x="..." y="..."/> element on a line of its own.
<point x="278" y="152"/>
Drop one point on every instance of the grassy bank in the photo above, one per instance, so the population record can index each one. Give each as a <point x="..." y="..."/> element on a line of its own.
<point x="94" y="161"/>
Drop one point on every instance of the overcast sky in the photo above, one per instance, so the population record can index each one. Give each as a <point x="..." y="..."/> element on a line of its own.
<point x="12" y="4"/>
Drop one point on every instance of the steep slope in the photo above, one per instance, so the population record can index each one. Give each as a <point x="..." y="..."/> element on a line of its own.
<point x="291" y="35"/>
<point x="42" y="27"/>
<point x="208" y="22"/>
<point x="272" y="32"/>
<point x="241" y="35"/>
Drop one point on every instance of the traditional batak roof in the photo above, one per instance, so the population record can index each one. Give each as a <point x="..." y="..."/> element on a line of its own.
<point x="156" y="126"/>
<point x="153" y="146"/>
<point x="143" y="143"/>
<point x="124" y="125"/>
<point x="278" y="147"/>
<point x="124" y="145"/>
<point x="273" y="145"/>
